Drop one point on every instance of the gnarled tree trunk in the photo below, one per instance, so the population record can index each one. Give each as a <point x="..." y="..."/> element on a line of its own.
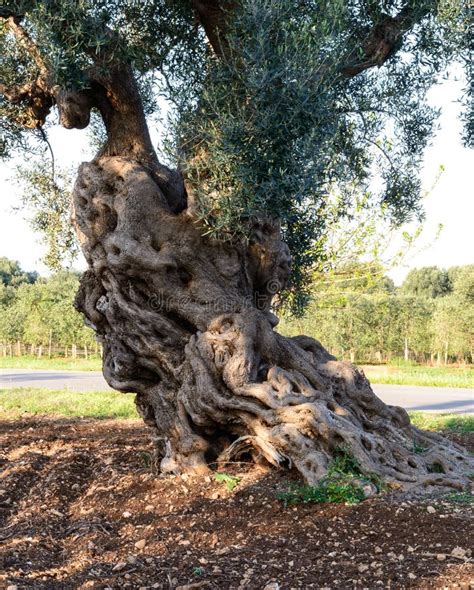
<point x="185" y="322"/>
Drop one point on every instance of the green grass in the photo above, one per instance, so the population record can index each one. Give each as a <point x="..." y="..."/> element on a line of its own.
<point x="15" y="403"/>
<point x="53" y="364"/>
<point x="451" y="422"/>
<point x="230" y="481"/>
<point x="420" y="375"/>
<point x="343" y="484"/>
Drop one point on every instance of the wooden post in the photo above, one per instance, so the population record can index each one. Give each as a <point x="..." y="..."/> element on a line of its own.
<point x="50" y="343"/>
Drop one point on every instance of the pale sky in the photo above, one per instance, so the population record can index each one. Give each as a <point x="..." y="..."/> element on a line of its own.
<point x="450" y="202"/>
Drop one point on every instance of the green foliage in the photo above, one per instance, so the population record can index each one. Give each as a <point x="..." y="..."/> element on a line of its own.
<point x="276" y="128"/>
<point x="11" y="274"/>
<point x="358" y="314"/>
<point x="429" y="281"/>
<point x="46" y="194"/>
<point x="344" y="482"/>
<point x="330" y="491"/>
<point x="40" y="312"/>
<point x="230" y="481"/>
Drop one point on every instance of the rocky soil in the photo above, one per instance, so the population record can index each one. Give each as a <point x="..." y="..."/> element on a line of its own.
<point x="80" y="508"/>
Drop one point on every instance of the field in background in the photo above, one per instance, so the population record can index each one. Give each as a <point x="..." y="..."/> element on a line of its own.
<point x="90" y="404"/>
<point x="50" y="364"/>
<point x="420" y="375"/>
<point x="22" y="402"/>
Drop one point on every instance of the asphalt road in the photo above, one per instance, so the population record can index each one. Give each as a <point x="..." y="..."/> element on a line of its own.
<point x="450" y="400"/>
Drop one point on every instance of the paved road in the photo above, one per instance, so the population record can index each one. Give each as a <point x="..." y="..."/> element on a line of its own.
<point x="428" y="399"/>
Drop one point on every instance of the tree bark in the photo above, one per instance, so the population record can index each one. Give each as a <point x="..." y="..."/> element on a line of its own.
<point x="186" y="324"/>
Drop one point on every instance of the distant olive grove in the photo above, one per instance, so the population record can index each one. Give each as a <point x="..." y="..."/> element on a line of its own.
<point x="360" y="315"/>
<point x="357" y="311"/>
<point x="37" y="314"/>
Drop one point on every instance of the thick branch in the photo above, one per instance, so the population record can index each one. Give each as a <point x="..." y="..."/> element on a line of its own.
<point x="212" y="15"/>
<point x="384" y="40"/>
<point x="13" y="23"/>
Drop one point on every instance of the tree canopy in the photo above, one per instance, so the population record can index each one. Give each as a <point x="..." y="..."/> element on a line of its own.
<point x="11" y="273"/>
<point x="287" y="111"/>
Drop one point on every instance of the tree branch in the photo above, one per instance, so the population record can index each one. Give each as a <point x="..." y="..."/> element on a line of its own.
<point x="384" y="39"/>
<point x="212" y="15"/>
<point x="13" y="23"/>
<point x="378" y="45"/>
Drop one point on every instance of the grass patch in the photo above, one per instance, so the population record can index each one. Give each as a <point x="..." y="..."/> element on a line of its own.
<point x="17" y="402"/>
<point x="465" y="498"/>
<point x="344" y="483"/>
<point x="406" y="374"/>
<point x="230" y="481"/>
<point x="53" y="364"/>
<point x="451" y="422"/>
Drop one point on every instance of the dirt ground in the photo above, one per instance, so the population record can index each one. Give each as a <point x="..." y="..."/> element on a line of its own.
<point x="80" y="508"/>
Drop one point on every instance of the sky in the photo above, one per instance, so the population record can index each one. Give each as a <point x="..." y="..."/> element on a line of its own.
<point x="449" y="202"/>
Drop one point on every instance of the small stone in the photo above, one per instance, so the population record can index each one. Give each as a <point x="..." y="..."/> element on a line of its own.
<point x="132" y="559"/>
<point x="149" y="508"/>
<point x="272" y="586"/>
<point x="369" y="490"/>
<point x="363" y="568"/>
<point x="412" y="576"/>
<point x="12" y="587"/>
<point x="56" y="512"/>
<point x="458" y="552"/>
<point x="140" y="544"/>
<point x="431" y="509"/>
<point x="441" y="557"/>
<point x="410" y="549"/>
<point x="378" y="549"/>
<point x="119" y="566"/>
<point x="207" y="479"/>
<point x="126" y="514"/>
<point x="215" y="496"/>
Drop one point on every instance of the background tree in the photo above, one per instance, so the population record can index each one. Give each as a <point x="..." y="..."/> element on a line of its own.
<point x="12" y="275"/>
<point x="284" y="104"/>
<point x="429" y="281"/>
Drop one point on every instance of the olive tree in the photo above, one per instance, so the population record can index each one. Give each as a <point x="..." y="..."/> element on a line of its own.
<point x="281" y="109"/>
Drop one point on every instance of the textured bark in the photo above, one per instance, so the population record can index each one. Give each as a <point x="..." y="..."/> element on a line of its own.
<point x="186" y="324"/>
